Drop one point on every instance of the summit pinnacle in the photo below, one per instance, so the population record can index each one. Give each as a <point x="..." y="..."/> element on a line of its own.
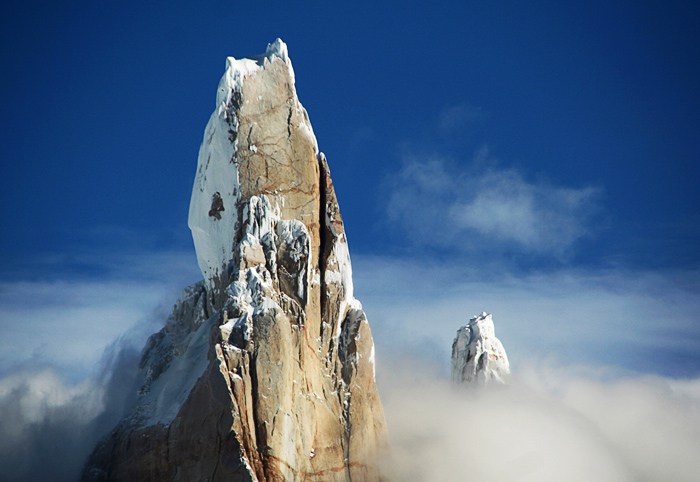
<point x="477" y="355"/>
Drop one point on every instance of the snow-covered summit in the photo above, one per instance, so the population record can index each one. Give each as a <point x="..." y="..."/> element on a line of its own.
<point x="277" y="48"/>
<point x="477" y="355"/>
<point x="257" y="114"/>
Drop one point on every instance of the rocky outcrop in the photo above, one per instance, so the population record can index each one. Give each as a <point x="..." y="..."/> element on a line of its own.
<point x="265" y="370"/>
<point x="477" y="355"/>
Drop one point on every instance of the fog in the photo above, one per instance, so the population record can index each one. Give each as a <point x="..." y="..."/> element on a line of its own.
<point x="546" y="425"/>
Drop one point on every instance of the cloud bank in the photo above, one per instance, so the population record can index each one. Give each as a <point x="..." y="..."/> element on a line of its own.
<point x="637" y="422"/>
<point x="605" y="386"/>
<point x="547" y="425"/>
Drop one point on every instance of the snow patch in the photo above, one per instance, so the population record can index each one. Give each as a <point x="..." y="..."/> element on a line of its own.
<point x="340" y="272"/>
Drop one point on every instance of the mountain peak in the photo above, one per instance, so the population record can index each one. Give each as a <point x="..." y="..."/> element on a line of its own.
<point x="265" y="370"/>
<point x="477" y="355"/>
<point x="277" y="48"/>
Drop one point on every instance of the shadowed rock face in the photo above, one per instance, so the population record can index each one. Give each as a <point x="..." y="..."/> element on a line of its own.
<point x="265" y="371"/>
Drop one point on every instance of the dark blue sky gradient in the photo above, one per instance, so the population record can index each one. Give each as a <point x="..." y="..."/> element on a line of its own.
<point x="104" y="104"/>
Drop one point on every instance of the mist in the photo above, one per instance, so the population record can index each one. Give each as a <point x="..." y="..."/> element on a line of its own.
<point x="49" y="426"/>
<point x="547" y="424"/>
<point x="69" y="355"/>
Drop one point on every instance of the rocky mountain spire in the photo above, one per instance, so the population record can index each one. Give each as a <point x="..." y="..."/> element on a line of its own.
<point x="477" y="355"/>
<point x="265" y="371"/>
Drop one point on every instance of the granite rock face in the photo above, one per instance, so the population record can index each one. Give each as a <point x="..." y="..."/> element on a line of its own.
<point x="265" y="370"/>
<point x="477" y="355"/>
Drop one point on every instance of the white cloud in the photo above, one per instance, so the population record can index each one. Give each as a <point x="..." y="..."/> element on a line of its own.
<point x="484" y="207"/>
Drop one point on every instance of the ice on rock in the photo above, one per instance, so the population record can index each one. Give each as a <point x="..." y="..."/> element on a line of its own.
<point x="477" y="355"/>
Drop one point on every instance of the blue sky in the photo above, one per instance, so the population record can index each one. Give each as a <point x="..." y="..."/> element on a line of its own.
<point x="476" y="140"/>
<point x="537" y="161"/>
<point x="105" y="104"/>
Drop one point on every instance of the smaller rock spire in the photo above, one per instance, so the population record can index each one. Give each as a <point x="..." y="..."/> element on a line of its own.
<point x="477" y="355"/>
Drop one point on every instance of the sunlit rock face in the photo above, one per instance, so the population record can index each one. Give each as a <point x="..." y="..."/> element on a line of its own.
<point x="477" y="355"/>
<point x="265" y="370"/>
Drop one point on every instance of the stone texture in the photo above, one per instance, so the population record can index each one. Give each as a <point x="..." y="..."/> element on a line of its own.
<point x="287" y="389"/>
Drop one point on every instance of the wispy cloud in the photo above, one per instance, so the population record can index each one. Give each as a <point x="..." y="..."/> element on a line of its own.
<point x="68" y="324"/>
<point x="641" y="321"/>
<point x="44" y="418"/>
<point x="484" y="207"/>
<point x="67" y="318"/>
<point x="39" y="413"/>
<point x="457" y="117"/>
